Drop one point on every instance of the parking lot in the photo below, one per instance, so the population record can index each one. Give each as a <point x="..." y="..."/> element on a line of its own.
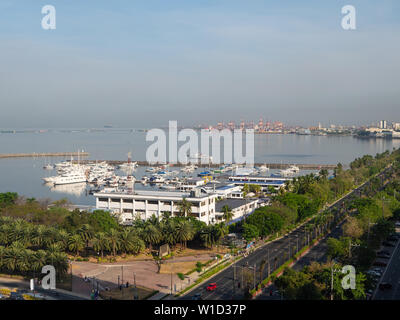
<point x="385" y="271"/>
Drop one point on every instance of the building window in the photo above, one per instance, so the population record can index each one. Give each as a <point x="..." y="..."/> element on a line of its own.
<point x="115" y="200"/>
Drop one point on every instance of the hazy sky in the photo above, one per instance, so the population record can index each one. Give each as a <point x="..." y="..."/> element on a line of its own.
<point x="142" y="63"/>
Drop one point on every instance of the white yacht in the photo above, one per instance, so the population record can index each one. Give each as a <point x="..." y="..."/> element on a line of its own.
<point x="286" y="173"/>
<point x="294" y="169"/>
<point x="48" y="167"/>
<point x="263" y="168"/>
<point x="72" y="177"/>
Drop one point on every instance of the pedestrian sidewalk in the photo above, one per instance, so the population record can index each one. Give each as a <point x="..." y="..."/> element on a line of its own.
<point x="158" y="296"/>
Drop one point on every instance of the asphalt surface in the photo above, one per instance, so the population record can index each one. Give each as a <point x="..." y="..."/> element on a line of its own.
<point x="228" y="286"/>
<point x="24" y="288"/>
<point x="391" y="275"/>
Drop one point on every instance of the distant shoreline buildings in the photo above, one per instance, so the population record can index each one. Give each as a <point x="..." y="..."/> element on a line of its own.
<point x="381" y="129"/>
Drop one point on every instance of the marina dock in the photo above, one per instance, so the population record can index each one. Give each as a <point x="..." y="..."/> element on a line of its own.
<point x="37" y="155"/>
<point x="213" y="165"/>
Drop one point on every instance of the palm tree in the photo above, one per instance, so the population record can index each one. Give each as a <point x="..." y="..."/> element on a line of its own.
<point x="5" y="234"/>
<point x="60" y="263"/>
<point x="62" y="237"/>
<point x="169" y="232"/>
<point x="86" y="233"/>
<point x="151" y="235"/>
<point x="100" y="243"/>
<point x="184" y="232"/>
<point x="207" y="234"/>
<point x="114" y="240"/>
<point x="129" y="242"/>
<point x="76" y="243"/>
<point x="38" y="236"/>
<point x="185" y="207"/>
<point x="38" y="260"/>
<point x="228" y="214"/>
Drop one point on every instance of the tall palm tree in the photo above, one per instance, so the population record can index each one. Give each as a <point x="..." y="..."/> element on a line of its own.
<point x="185" y="208"/>
<point x="76" y="243"/>
<point x="169" y="232"/>
<point x="207" y="234"/>
<point x="5" y="234"/>
<point x="2" y="253"/>
<point x="228" y="214"/>
<point x="38" y="236"/>
<point x="37" y="260"/>
<point x="86" y="232"/>
<point x="62" y="238"/>
<point x="184" y="232"/>
<point x="151" y="235"/>
<point x="125" y="240"/>
<point x="114" y="240"/>
<point x="60" y="263"/>
<point x="100" y="243"/>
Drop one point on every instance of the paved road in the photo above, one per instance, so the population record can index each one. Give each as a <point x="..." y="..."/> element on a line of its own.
<point x="391" y="275"/>
<point x="23" y="285"/>
<point x="227" y="287"/>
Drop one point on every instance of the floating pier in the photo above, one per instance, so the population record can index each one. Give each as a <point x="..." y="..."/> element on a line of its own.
<point x="305" y="166"/>
<point x="37" y="155"/>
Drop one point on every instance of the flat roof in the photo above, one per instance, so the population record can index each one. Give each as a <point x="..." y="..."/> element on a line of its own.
<point x="259" y="177"/>
<point x="151" y="193"/>
<point x="232" y="203"/>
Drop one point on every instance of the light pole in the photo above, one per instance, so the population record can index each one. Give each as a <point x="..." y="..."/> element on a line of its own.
<point x="352" y="245"/>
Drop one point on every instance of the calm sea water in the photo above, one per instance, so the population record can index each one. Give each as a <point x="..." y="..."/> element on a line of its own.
<point x="23" y="175"/>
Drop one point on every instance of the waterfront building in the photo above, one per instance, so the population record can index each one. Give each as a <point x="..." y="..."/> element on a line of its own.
<point x="239" y="207"/>
<point x="143" y="204"/>
<point x="264" y="182"/>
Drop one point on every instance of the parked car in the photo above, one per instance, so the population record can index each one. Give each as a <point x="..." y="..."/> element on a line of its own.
<point x="380" y="264"/>
<point x="197" y="296"/>
<point x="392" y="238"/>
<point x="211" y="286"/>
<point x="373" y="272"/>
<point x="382" y="256"/>
<point x="388" y="244"/>
<point x="16" y="296"/>
<point x="384" y="286"/>
<point x="383" y="252"/>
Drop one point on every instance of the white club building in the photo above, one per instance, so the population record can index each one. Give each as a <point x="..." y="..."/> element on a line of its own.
<point x="129" y="205"/>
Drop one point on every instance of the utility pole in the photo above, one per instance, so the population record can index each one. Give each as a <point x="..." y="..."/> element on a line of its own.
<point x="332" y="282"/>
<point x="269" y="265"/>
<point x="254" y="279"/>
<point x="234" y="278"/>
<point x="171" y="279"/>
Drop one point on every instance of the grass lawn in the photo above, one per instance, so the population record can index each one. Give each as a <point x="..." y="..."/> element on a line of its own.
<point x="127" y="293"/>
<point x="182" y="267"/>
